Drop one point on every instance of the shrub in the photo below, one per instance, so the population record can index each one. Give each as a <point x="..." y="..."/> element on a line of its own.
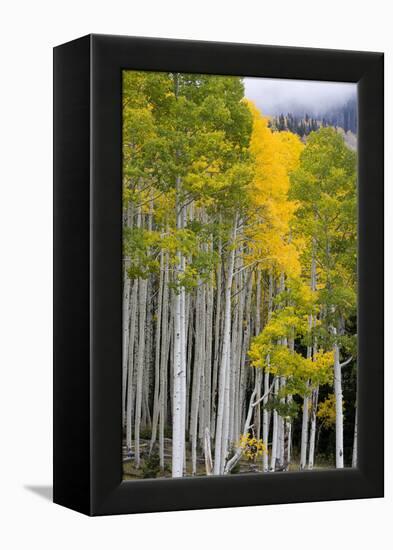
<point x="151" y="466"/>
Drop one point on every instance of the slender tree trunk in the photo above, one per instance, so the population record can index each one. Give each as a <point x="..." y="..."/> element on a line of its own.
<point x="304" y="439"/>
<point x="234" y="460"/>
<point x="126" y="320"/>
<point x="281" y="440"/>
<point x="338" y="393"/>
<point x="177" y="413"/>
<point x="208" y="453"/>
<point x="217" y="341"/>
<point x="203" y="365"/>
<point x="179" y="364"/>
<point x="140" y="368"/>
<point x="196" y="382"/>
<point x="208" y="358"/>
<point x="314" y="407"/>
<point x="305" y="420"/>
<point x="190" y="352"/>
<point x="273" y="459"/>
<point x="258" y="373"/>
<point x="355" y="441"/>
<point x="148" y="363"/>
<point x="164" y="362"/>
<point x="233" y="403"/>
<point x="156" y="404"/>
<point x="224" y="378"/>
<point x="265" y="422"/>
<point x="130" y="368"/>
<point x="291" y="344"/>
<point x="126" y="332"/>
<point x="278" y="428"/>
<point x="245" y="328"/>
<point x="306" y="399"/>
<point x="265" y="414"/>
<point x="289" y="443"/>
<point x="183" y="348"/>
<point x="313" y="352"/>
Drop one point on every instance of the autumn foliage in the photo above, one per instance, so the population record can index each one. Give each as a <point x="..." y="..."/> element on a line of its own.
<point x="239" y="247"/>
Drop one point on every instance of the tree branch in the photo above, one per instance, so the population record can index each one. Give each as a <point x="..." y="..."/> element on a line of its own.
<point x="236" y="457"/>
<point x="265" y="394"/>
<point x="346" y="362"/>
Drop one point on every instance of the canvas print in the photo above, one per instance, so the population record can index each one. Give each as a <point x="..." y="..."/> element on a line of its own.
<point x="239" y="275"/>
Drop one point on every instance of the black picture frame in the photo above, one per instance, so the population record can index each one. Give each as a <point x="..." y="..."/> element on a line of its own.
<point x="88" y="276"/>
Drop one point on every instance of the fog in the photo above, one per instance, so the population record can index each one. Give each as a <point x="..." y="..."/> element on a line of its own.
<point x="275" y="96"/>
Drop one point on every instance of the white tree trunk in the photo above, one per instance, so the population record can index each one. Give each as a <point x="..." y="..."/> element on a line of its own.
<point x="234" y="398"/>
<point x="304" y="438"/>
<point x="265" y="414"/>
<point x="177" y="413"/>
<point x="234" y="460"/>
<point x="130" y="367"/>
<point x="258" y="373"/>
<point x="140" y="368"/>
<point x="190" y="357"/>
<point x="273" y="458"/>
<point x="208" y="453"/>
<point x="156" y="404"/>
<point x="306" y="403"/>
<point x="338" y="393"/>
<point x="313" y="428"/>
<point x="197" y="371"/>
<point x="217" y="342"/>
<point x="224" y="377"/>
<point x="126" y="319"/>
<point x="164" y="363"/>
<point x="126" y="333"/>
<point x="202" y="367"/>
<point x="289" y="444"/>
<point x="208" y="358"/>
<point x="245" y="371"/>
<point x="281" y="439"/>
<point x="265" y="422"/>
<point x="179" y="363"/>
<point x="355" y="441"/>
<point x="183" y="377"/>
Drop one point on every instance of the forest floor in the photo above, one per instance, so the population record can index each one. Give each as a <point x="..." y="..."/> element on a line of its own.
<point x="150" y="470"/>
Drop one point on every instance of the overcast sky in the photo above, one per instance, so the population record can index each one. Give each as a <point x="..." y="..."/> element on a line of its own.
<point x="275" y="96"/>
